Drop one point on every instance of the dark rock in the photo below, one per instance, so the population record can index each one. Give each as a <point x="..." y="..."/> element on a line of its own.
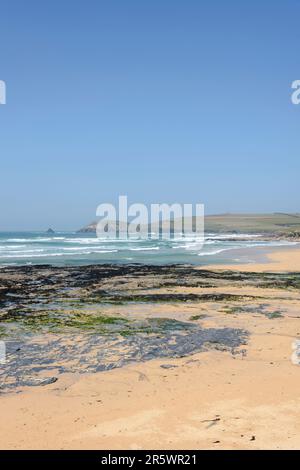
<point x="37" y="381"/>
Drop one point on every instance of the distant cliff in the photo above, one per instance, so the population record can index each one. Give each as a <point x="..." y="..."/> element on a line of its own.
<point x="276" y="224"/>
<point x="91" y="228"/>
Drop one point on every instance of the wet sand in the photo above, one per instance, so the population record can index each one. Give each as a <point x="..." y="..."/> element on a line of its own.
<point x="266" y="260"/>
<point x="215" y="398"/>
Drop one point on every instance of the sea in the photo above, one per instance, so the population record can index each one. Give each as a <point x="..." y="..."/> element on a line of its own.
<point x="73" y="248"/>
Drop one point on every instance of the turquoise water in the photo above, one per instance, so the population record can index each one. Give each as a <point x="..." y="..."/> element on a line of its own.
<point x="70" y="248"/>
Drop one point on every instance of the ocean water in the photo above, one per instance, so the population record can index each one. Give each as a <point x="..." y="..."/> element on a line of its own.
<point x="70" y="248"/>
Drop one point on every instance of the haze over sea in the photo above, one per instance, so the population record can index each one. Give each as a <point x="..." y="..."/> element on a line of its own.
<point x="71" y="248"/>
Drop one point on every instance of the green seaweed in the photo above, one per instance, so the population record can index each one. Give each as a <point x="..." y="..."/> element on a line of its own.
<point x="200" y="316"/>
<point x="273" y="315"/>
<point x="62" y="319"/>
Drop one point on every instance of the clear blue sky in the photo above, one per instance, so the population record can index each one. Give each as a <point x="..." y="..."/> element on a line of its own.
<point x="163" y="100"/>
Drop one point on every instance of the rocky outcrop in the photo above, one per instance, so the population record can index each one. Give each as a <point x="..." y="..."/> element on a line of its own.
<point x="91" y="228"/>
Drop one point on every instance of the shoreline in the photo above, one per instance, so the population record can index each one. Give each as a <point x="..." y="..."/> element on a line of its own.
<point x="69" y="250"/>
<point x="232" y="258"/>
<point x="283" y="259"/>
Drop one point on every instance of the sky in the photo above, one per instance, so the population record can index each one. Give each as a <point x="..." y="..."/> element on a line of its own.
<point x="163" y="100"/>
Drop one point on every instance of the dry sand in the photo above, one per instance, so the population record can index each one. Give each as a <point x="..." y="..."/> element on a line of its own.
<point x="210" y="400"/>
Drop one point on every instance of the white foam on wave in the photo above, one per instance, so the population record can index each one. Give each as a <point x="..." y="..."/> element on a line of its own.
<point x="145" y="248"/>
<point x="240" y="246"/>
<point x="17" y="240"/>
<point x="189" y="246"/>
<point x="97" y="240"/>
<point x="25" y="251"/>
<point x="228" y="236"/>
<point x="8" y="247"/>
<point x="210" y="253"/>
<point x="46" y="254"/>
<point x="89" y="247"/>
<point x="31" y="240"/>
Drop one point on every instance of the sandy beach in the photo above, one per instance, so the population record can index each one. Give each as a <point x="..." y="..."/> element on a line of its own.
<point x="149" y="230"/>
<point x="287" y="260"/>
<point x="246" y="397"/>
